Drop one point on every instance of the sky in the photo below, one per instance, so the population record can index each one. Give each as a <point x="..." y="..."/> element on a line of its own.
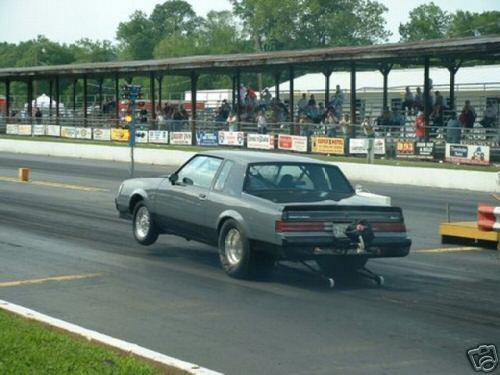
<point x="66" y="21"/>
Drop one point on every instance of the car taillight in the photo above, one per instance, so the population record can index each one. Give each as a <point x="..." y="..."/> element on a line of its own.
<point x="388" y="227"/>
<point x="299" y="226"/>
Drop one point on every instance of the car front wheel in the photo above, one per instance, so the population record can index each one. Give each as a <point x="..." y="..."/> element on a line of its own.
<point x="144" y="228"/>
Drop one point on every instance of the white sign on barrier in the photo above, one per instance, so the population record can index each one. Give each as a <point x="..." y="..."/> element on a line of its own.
<point x="11" y="129"/>
<point x="360" y="146"/>
<point x="467" y="154"/>
<point x="158" y="136"/>
<point x="292" y="143"/>
<point x="83" y="133"/>
<point x="101" y="134"/>
<point x="141" y="136"/>
<point x="38" y="129"/>
<point x="53" y="130"/>
<point x="68" y="132"/>
<point x="24" y="129"/>
<point x="231" y="138"/>
<point x="260" y="141"/>
<point x="181" y="138"/>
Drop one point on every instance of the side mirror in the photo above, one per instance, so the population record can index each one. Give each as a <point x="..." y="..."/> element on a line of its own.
<point x="187" y="181"/>
<point x="173" y="178"/>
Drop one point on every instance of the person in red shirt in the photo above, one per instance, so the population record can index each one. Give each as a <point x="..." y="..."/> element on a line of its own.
<point x="420" y="126"/>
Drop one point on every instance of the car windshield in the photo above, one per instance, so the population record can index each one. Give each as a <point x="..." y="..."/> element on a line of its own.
<point x="296" y="182"/>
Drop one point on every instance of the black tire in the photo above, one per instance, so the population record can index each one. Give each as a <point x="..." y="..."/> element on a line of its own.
<point x="144" y="234"/>
<point x="332" y="266"/>
<point x="243" y="263"/>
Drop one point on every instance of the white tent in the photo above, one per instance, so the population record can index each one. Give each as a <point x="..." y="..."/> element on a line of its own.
<point x="43" y="102"/>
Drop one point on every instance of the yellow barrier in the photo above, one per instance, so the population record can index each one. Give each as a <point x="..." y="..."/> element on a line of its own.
<point x="119" y="135"/>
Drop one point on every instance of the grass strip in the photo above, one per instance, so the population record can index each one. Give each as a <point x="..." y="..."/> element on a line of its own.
<point x="330" y="158"/>
<point x="29" y="347"/>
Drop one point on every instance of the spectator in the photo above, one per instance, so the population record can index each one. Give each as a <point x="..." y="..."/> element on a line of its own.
<point x="346" y="126"/>
<point x="490" y="114"/>
<point x="312" y="112"/>
<point x="468" y="115"/>
<point x="385" y="120"/>
<point x="243" y="93"/>
<point x="302" y="105"/>
<point x="420" y="126"/>
<point x="232" y="121"/>
<point x="418" y="102"/>
<point x="408" y="101"/>
<point x="305" y="127"/>
<point x="261" y="123"/>
<point x="266" y="97"/>
<point x="38" y="116"/>
<point x="338" y="100"/>
<point x="438" y="112"/>
<point x="453" y="129"/>
<point x="330" y="121"/>
<point x="367" y="127"/>
<point x="348" y="130"/>
<point x="312" y="100"/>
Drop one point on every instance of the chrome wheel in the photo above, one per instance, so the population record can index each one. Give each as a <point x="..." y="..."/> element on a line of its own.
<point x="142" y="222"/>
<point x="233" y="246"/>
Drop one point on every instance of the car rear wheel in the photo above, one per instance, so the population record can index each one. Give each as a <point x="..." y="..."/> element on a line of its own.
<point x="144" y="228"/>
<point x="237" y="258"/>
<point x="341" y="266"/>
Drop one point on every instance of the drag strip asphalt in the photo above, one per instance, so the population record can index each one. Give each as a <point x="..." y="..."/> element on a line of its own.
<point x="174" y="298"/>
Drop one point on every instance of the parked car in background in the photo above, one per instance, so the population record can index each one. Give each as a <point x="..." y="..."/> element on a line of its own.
<point x="259" y="208"/>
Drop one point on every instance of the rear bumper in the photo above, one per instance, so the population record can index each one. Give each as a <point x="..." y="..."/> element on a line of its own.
<point x="308" y="249"/>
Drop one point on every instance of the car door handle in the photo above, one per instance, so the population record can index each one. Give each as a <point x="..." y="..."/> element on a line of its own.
<point x="202" y="196"/>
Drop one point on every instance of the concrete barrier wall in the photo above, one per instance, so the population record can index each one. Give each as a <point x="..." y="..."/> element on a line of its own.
<point x="430" y="177"/>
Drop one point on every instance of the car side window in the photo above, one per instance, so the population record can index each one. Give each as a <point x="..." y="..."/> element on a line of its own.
<point x="223" y="175"/>
<point x="200" y="171"/>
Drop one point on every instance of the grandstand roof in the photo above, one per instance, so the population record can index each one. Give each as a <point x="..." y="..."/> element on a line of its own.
<point x="366" y="58"/>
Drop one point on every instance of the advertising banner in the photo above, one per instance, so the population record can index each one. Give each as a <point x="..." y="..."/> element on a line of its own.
<point x="118" y="134"/>
<point x="53" y="130"/>
<point x="467" y="154"/>
<point x="38" y="129"/>
<point x="181" y="138"/>
<point x="83" y="133"/>
<point x="360" y="146"/>
<point x="207" y="138"/>
<point x="101" y="134"/>
<point x="141" y="136"/>
<point x="158" y="136"/>
<point x="292" y="143"/>
<point x="415" y="150"/>
<point x="325" y="145"/>
<point x="232" y="138"/>
<point x="11" y="129"/>
<point x="24" y="129"/>
<point x="68" y="132"/>
<point x="260" y="141"/>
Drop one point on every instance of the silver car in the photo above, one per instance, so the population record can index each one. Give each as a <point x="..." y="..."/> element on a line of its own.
<point x="261" y="207"/>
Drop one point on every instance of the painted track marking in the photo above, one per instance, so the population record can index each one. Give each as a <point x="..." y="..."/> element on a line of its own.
<point x="47" y="279"/>
<point x="54" y="184"/>
<point x="449" y="250"/>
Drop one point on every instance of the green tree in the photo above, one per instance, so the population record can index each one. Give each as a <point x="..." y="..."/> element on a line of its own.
<point x="270" y="24"/>
<point x="86" y="50"/>
<point x="342" y="22"/>
<point x="136" y="36"/>
<point x="174" y="17"/>
<point x="474" y="24"/>
<point x="427" y="21"/>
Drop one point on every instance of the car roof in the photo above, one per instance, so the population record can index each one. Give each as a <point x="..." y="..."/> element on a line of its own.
<point x="247" y="157"/>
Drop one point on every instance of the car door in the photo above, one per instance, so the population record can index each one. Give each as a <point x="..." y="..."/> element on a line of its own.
<point x="181" y="205"/>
